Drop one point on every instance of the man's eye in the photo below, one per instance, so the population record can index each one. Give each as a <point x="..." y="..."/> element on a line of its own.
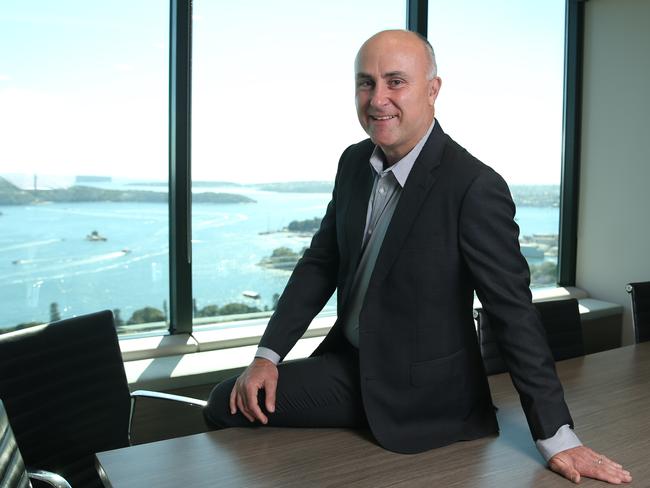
<point x="395" y="83"/>
<point x="364" y="84"/>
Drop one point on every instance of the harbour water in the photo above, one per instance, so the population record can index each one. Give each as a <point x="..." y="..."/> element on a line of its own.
<point x="45" y="256"/>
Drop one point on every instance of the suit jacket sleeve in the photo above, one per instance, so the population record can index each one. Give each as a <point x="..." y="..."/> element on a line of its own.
<point x="490" y="246"/>
<point x="310" y="286"/>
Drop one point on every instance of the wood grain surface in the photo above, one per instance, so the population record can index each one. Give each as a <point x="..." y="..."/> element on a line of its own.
<point x="608" y="394"/>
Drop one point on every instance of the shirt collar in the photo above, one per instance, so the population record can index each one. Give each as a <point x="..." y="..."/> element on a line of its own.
<point x="401" y="168"/>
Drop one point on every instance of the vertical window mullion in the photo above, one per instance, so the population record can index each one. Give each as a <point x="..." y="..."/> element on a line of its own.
<point x="417" y="15"/>
<point x="180" y="194"/>
<point x="570" y="184"/>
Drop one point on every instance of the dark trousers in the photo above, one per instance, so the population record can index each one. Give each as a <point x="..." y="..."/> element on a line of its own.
<point x="319" y="391"/>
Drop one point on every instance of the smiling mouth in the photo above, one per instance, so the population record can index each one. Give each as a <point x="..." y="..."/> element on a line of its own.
<point x="382" y="117"/>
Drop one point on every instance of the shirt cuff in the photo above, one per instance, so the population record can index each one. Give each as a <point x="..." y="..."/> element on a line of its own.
<point x="266" y="353"/>
<point x="563" y="439"/>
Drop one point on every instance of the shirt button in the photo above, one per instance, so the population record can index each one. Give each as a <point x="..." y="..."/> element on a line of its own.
<point x="381" y="190"/>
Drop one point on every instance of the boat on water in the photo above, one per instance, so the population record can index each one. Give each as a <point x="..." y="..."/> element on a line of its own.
<point x="251" y="294"/>
<point x="95" y="237"/>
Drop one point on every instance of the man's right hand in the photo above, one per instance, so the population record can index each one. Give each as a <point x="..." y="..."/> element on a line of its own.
<point x="260" y="374"/>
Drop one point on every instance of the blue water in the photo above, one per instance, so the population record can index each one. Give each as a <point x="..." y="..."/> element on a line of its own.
<point x="45" y="258"/>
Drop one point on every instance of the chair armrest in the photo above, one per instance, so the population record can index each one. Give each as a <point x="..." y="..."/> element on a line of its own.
<point x="168" y="396"/>
<point x="48" y="477"/>
<point x="194" y="402"/>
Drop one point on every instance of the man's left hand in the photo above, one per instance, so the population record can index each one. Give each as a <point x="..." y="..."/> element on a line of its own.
<point x="581" y="461"/>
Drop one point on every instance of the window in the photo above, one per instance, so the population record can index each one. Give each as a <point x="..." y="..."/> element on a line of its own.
<point x="502" y="66"/>
<point x="84" y="98"/>
<point x="272" y="110"/>
<point x="83" y="161"/>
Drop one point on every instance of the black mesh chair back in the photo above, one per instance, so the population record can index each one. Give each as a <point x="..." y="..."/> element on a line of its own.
<point x="12" y="467"/>
<point x="640" y="293"/>
<point x="66" y="394"/>
<point x="561" y="321"/>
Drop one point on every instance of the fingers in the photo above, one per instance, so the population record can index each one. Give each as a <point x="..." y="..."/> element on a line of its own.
<point x="253" y="406"/>
<point x="607" y="471"/>
<point x="597" y="466"/>
<point x="243" y="401"/>
<point x="582" y="461"/>
<point x="238" y="401"/>
<point x="270" y="388"/>
<point x="613" y="463"/>
<point x="563" y="468"/>
<point x="233" y="399"/>
<point x="243" y="409"/>
<point x="243" y="397"/>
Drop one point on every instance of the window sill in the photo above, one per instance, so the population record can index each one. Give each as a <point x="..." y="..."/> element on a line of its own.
<point x="209" y="356"/>
<point x="204" y="357"/>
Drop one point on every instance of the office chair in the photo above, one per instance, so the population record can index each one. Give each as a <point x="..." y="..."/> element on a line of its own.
<point x="561" y="321"/>
<point x="640" y="294"/>
<point x="66" y="394"/>
<point x="12" y="468"/>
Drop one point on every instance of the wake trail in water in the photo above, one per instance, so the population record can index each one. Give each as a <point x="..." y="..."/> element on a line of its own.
<point x="25" y="245"/>
<point x="66" y="264"/>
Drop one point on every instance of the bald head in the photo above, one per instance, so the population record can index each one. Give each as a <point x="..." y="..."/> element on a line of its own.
<point x="398" y="35"/>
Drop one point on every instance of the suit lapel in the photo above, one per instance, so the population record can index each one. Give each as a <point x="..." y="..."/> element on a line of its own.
<point x="418" y="184"/>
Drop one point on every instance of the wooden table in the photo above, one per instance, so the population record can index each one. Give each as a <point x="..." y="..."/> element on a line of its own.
<point x="608" y="394"/>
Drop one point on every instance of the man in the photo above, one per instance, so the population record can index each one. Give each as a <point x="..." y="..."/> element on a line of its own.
<point x="415" y="225"/>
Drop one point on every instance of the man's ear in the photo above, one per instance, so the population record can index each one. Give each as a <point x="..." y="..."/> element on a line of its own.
<point x="434" y="89"/>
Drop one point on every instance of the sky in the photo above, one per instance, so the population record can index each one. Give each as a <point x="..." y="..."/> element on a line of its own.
<point x="84" y="85"/>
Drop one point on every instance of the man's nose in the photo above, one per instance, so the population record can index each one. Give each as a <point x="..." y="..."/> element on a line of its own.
<point x="379" y="97"/>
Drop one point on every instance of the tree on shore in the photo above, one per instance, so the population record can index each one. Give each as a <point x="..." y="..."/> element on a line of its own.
<point x="234" y="308"/>
<point x="146" y="315"/>
<point x="227" y="309"/>
<point x="208" y="311"/>
<point x="283" y="252"/>
<point x="310" y="225"/>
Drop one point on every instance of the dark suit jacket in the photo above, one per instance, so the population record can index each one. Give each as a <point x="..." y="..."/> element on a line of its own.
<point x="453" y="232"/>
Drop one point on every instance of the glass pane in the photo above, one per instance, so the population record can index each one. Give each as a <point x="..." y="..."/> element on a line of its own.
<point x="83" y="161"/>
<point x="502" y="66"/>
<point x="273" y="108"/>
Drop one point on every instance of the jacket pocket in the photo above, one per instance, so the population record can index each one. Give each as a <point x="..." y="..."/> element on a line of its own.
<point x="439" y="371"/>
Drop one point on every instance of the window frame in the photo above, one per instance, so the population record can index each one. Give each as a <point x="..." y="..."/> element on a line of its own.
<point x="180" y="191"/>
<point x="180" y="181"/>
<point x="571" y="135"/>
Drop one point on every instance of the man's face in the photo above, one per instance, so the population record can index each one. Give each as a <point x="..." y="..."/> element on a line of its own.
<point x="394" y="98"/>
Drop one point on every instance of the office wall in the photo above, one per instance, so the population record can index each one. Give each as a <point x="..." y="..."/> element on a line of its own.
<point x="614" y="204"/>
